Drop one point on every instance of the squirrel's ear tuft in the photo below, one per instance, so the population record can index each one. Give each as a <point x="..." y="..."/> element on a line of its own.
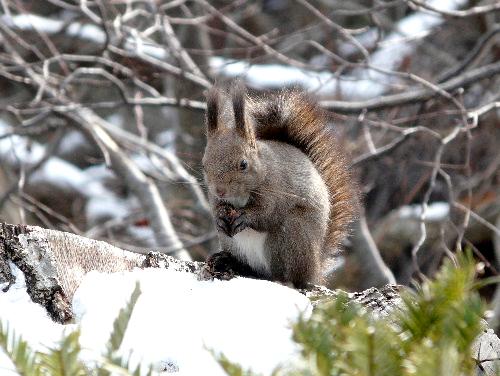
<point x="242" y="125"/>
<point x="212" y="114"/>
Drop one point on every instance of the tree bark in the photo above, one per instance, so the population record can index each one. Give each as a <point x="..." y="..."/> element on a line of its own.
<point x="55" y="262"/>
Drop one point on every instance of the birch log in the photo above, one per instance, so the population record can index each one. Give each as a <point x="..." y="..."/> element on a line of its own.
<point x="54" y="263"/>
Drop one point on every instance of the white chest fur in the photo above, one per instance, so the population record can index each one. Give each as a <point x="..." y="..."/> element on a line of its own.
<point x="250" y="246"/>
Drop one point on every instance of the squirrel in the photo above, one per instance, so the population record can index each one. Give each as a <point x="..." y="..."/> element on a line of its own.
<point x="279" y="186"/>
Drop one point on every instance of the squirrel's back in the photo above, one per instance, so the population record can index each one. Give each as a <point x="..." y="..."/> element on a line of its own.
<point x="292" y="117"/>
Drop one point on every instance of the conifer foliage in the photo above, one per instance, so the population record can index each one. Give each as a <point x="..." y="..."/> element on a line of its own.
<point x="430" y="333"/>
<point x="64" y="359"/>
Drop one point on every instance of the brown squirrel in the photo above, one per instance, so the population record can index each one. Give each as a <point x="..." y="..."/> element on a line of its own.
<point x="279" y="186"/>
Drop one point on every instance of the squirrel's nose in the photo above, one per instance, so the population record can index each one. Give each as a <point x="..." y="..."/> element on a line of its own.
<point x="221" y="192"/>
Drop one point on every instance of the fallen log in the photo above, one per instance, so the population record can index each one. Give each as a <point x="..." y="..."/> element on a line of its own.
<point x="54" y="264"/>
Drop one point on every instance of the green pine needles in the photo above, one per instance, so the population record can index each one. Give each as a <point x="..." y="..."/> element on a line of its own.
<point x="431" y="333"/>
<point x="64" y="360"/>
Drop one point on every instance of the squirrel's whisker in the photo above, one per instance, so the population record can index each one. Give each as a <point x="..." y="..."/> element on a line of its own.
<point x="278" y="192"/>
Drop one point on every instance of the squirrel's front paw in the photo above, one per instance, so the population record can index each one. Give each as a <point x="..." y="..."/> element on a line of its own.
<point x="230" y="220"/>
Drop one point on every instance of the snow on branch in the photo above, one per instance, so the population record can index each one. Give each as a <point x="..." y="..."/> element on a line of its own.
<point x="18" y="152"/>
<point x="85" y="31"/>
<point x="367" y="80"/>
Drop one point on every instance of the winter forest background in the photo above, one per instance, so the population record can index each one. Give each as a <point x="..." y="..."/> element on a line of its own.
<point x="102" y="105"/>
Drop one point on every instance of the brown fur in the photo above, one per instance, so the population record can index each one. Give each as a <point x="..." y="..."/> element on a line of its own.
<point x="278" y="184"/>
<point x="294" y="118"/>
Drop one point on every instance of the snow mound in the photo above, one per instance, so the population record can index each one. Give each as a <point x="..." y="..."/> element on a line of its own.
<point x="177" y="321"/>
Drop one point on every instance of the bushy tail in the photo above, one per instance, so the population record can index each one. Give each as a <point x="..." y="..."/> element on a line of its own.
<point x="292" y="117"/>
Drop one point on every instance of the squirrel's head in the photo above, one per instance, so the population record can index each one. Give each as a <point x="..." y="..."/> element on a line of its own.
<point x="231" y="164"/>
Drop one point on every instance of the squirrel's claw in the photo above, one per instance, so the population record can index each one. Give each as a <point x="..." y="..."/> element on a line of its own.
<point x="239" y="224"/>
<point x="223" y="226"/>
<point x="223" y="222"/>
<point x="230" y="220"/>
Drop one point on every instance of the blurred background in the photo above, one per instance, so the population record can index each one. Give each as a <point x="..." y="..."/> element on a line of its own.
<point x="102" y="107"/>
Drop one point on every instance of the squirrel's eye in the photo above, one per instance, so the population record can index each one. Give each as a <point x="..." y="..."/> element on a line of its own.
<point x="243" y="165"/>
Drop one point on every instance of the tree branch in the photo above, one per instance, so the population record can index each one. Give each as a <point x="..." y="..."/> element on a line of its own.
<point x="414" y="96"/>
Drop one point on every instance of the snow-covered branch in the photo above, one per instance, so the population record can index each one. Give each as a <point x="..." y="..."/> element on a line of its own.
<point x="367" y="80"/>
<point x="185" y="312"/>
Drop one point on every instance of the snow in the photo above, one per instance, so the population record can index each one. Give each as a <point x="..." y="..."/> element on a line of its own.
<point x="417" y="25"/>
<point x="397" y="45"/>
<point x="166" y="139"/>
<point x="102" y="203"/>
<point x="143" y="234"/>
<point x="361" y="83"/>
<point x="28" y="319"/>
<point x="16" y="148"/>
<point x="436" y="211"/>
<point x="273" y="75"/>
<point x="143" y="48"/>
<point x="177" y="321"/>
<point x="367" y="39"/>
<point x="72" y="140"/>
<point x="29" y="21"/>
<point x="84" y="31"/>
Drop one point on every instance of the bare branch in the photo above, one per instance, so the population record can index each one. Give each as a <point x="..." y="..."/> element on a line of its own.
<point x="414" y="96"/>
<point x="474" y="11"/>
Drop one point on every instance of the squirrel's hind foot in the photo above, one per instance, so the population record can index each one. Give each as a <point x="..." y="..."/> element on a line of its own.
<point x="223" y="265"/>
